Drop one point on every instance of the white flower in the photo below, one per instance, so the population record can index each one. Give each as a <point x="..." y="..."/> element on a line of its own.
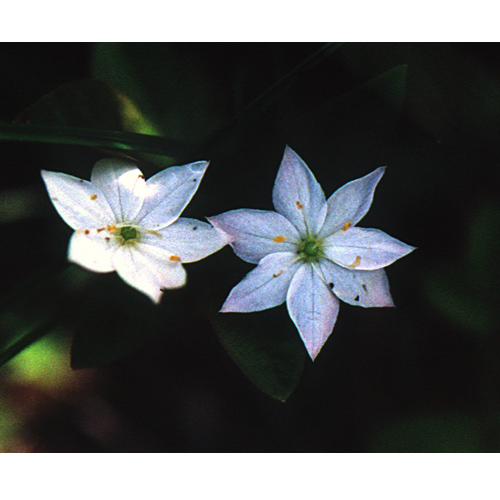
<point x="126" y="224"/>
<point x="309" y="251"/>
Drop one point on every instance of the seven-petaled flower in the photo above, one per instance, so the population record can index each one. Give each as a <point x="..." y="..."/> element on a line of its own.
<point x="309" y="252"/>
<point x="126" y="224"/>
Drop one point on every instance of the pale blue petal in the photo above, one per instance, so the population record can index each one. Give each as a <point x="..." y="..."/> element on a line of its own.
<point x="313" y="308"/>
<point x="78" y="202"/>
<point x="358" y="288"/>
<point x="257" y="233"/>
<point x="189" y="239"/>
<point x="298" y="196"/>
<point x="123" y="186"/>
<point x="264" y="287"/>
<point x="350" y="203"/>
<point x="364" y="249"/>
<point x="168" y="192"/>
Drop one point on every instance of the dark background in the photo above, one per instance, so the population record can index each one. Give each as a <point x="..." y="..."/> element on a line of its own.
<point x="424" y="376"/>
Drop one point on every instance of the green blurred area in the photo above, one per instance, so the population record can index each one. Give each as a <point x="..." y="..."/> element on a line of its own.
<point x="423" y="377"/>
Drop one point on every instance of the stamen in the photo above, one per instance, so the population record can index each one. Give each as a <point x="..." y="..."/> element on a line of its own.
<point x="346" y="226"/>
<point x="174" y="258"/>
<point x="93" y="196"/>
<point x="356" y="262"/>
<point x="299" y="205"/>
<point x="151" y="231"/>
<point x="279" y="239"/>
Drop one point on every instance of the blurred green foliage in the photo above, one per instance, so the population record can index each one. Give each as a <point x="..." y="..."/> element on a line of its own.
<point x="466" y="290"/>
<point x="431" y="434"/>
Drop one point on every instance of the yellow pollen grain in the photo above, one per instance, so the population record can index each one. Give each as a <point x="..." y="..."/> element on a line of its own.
<point x="279" y="239"/>
<point x="93" y="196"/>
<point x="346" y="226"/>
<point x="356" y="262"/>
<point x="299" y="205"/>
<point x="174" y="258"/>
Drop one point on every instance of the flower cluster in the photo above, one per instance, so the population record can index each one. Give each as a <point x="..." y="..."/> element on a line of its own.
<point x="309" y="252"/>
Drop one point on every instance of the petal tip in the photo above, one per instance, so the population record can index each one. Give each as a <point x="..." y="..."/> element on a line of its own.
<point x="227" y="308"/>
<point x="313" y="351"/>
<point x="223" y="235"/>
<point x="200" y="166"/>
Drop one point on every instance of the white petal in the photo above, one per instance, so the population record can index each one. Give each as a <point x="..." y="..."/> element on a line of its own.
<point x="189" y="239"/>
<point x="264" y="287"/>
<point x="257" y="233"/>
<point x="78" y="202"/>
<point x="312" y="307"/>
<point x="123" y="185"/>
<point x="168" y="192"/>
<point x="297" y="195"/>
<point x="149" y="269"/>
<point x="350" y="203"/>
<point x="93" y="251"/>
<point x="364" y="249"/>
<point x="358" y="288"/>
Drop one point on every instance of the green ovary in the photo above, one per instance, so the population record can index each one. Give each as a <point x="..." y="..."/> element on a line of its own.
<point x="128" y="233"/>
<point x="310" y="249"/>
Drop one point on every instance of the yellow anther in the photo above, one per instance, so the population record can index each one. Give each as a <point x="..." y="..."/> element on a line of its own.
<point x="93" y="196"/>
<point x="346" y="226"/>
<point x="174" y="258"/>
<point x="278" y="274"/>
<point x="279" y="239"/>
<point x="153" y="232"/>
<point x="111" y="228"/>
<point x="299" y="205"/>
<point x="356" y="262"/>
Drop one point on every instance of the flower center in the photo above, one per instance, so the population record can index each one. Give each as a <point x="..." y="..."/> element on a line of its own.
<point x="128" y="233"/>
<point x="310" y="248"/>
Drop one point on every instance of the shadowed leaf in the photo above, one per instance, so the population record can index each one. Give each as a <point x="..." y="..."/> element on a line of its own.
<point x="267" y="350"/>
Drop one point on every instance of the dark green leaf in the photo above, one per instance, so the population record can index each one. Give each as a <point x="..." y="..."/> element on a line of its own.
<point x="113" y="320"/>
<point x="103" y="139"/>
<point x="173" y="85"/>
<point x="470" y="298"/>
<point x="266" y="347"/>
<point x="97" y="115"/>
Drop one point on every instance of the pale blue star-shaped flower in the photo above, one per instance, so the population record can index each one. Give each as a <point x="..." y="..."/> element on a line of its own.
<point x="126" y="224"/>
<point x="310" y="252"/>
